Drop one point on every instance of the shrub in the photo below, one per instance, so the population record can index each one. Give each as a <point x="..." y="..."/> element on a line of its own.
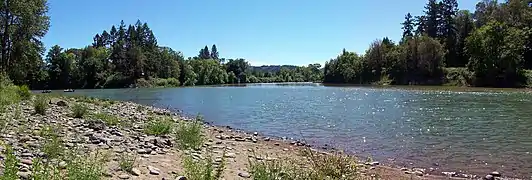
<point x="79" y="110"/>
<point x="159" y="126"/>
<point x="189" y="134"/>
<point x="142" y="83"/>
<point x="173" y="82"/>
<point x="109" y="119"/>
<point x="40" y="105"/>
<point x="24" y="92"/>
<point x="457" y="76"/>
<point x="159" y="82"/>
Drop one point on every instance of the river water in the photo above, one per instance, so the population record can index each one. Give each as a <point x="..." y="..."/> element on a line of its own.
<point x="469" y="130"/>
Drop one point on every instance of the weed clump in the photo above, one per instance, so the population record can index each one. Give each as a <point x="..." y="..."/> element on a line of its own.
<point x="321" y="167"/>
<point x="109" y="119"/>
<point x="126" y="163"/>
<point x="10" y="164"/>
<point x="189" y="134"/>
<point x="79" y="110"/>
<point x="159" y="126"/>
<point x="24" y="92"/>
<point x="204" y="169"/>
<point x="40" y="105"/>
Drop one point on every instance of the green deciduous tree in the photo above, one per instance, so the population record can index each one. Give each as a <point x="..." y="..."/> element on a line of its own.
<point x="496" y="51"/>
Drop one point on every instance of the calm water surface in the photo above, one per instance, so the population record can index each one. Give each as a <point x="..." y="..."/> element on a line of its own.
<point x="459" y="130"/>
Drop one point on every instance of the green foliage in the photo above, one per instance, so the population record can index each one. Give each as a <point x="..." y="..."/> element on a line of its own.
<point x="109" y="119"/>
<point x="159" y="126"/>
<point x="53" y="146"/>
<point x="204" y="169"/>
<point x="126" y="162"/>
<point x="40" y="104"/>
<point x="457" y="76"/>
<point x="10" y="164"/>
<point x="24" y="92"/>
<point x="320" y="167"/>
<point x="79" y="110"/>
<point x="8" y="96"/>
<point x="496" y="54"/>
<point x="189" y="134"/>
<point x="85" y="167"/>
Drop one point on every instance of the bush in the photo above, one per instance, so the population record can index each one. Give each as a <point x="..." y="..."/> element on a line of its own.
<point x="159" y="126"/>
<point x="40" y="105"/>
<point x="457" y="77"/>
<point x="142" y="83"/>
<point x="24" y="92"/>
<point x="173" y="82"/>
<point x="189" y="134"/>
<point x="109" y="119"/>
<point x="79" y="110"/>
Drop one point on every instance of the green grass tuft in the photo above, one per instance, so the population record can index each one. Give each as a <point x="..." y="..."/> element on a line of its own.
<point x="40" y="104"/>
<point x="159" y="126"/>
<point x="24" y="92"/>
<point x="126" y="163"/>
<point x="189" y="134"/>
<point x="79" y="110"/>
<point x="203" y="169"/>
<point x="109" y="119"/>
<point x="10" y="164"/>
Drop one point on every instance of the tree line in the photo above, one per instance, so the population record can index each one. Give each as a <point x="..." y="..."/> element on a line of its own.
<point x="123" y="56"/>
<point x="490" y="47"/>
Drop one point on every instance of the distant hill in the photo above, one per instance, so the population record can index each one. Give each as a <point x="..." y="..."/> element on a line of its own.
<point x="272" y="68"/>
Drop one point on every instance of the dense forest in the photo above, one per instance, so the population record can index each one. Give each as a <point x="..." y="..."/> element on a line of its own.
<point x="489" y="47"/>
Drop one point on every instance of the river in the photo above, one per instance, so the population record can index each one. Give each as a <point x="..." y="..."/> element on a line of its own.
<point x="469" y="130"/>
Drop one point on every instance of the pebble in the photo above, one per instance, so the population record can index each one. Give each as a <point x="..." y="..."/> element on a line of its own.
<point x="230" y="155"/>
<point x="62" y="164"/>
<point x="135" y="172"/>
<point x="123" y="176"/>
<point x="26" y="161"/>
<point x="244" y="174"/>
<point x="24" y="175"/>
<point x="489" y="177"/>
<point x="153" y="170"/>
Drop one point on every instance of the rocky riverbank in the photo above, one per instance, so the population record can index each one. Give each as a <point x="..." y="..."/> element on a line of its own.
<point x="85" y="138"/>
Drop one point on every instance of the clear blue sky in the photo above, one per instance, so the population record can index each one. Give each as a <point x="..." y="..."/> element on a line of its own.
<point x="262" y="31"/>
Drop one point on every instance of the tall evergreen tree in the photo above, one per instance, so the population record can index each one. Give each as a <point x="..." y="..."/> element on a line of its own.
<point x="214" y="52"/>
<point x="420" y="23"/>
<point x="204" y="53"/>
<point x="408" y="26"/>
<point x="449" y="8"/>
<point x="432" y="18"/>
